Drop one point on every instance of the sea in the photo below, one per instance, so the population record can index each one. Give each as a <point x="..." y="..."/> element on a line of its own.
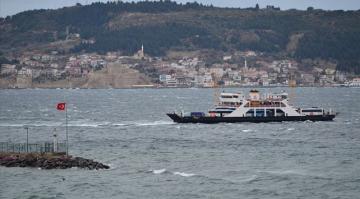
<point x="152" y="157"/>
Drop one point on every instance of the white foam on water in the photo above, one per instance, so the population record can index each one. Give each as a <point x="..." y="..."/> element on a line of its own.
<point x="84" y="125"/>
<point x="287" y="172"/>
<point x="48" y="124"/>
<point x="88" y="124"/>
<point x="247" y="130"/>
<point x="252" y="178"/>
<point x="119" y="124"/>
<point x="42" y="124"/>
<point x="12" y="125"/>
<point x="156" y="123"/>
<point x="184" y="174"/>
<point x="159" y="171"/>
<point x="112" y="167"/>
<point x="104" y="123"/>
<point x="291" y="129"/>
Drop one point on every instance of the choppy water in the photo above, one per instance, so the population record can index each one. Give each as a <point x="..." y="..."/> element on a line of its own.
<point x="151" y="157"/>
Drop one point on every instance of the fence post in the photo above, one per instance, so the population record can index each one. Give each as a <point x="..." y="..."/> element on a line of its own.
<point x="27" y="139"/>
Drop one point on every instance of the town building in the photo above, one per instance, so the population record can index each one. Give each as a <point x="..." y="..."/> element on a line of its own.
<point x="8" y="69"/>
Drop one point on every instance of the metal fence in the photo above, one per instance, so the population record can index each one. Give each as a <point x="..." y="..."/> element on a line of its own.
<point x="45" y="147"/>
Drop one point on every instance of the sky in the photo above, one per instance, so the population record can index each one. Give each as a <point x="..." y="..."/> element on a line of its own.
<point x="11" y="7"/>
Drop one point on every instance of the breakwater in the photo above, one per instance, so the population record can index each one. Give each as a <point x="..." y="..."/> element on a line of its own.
<point x="48" y="161"/>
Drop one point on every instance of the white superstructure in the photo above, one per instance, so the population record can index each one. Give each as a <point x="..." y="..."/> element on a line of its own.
<point x="255" y="105"/>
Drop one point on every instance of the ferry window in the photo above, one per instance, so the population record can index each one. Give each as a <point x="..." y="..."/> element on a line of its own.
<point x="260" y="113"/>
<point x="226" y="96"/>
<point x="279" y="112"/>
<point x="250" y="113"/>
<point x="270" y="112"/>
<point x="235" y="96"/>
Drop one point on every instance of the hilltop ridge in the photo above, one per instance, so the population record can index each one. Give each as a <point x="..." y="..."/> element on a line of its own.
<point x="165" y="25"/>
<point x="164" y="43"/>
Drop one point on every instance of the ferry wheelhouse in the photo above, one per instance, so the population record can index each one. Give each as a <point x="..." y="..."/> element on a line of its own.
<point x="236" y="107"/>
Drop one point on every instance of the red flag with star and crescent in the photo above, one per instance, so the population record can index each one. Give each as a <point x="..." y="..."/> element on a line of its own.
<point x="61" y="106"/>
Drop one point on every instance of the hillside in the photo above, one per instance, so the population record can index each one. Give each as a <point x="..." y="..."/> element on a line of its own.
<point x="166" y="25"/>
<point x="114" y="76"/>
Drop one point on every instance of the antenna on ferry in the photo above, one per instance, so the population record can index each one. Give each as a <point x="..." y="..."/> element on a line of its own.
<point x="292" y="85"/>
<point x="216" y="88"/>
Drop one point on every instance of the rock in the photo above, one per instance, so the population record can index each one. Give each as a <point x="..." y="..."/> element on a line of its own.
<point x="46" y="161"/>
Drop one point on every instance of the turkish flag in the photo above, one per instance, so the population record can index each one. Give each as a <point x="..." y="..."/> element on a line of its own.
<point x="61" y="106"/>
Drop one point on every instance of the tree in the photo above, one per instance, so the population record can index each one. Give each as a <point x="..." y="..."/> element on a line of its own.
<point x="257" y="7"/>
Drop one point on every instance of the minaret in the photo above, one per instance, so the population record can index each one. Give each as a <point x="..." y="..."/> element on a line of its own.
<point x="142" y="54"/>
<point x="246" y="64"/>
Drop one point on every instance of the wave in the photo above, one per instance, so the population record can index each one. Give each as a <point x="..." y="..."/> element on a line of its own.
<point x="84" y="125"/>
<point x="163" y="171"/>
<point x="294" y="172"/>
<point x="54" y="124"/>
<point x="291" y="129"/>
<point x="285" y="172"/>
<point x="112" y="167"/>
<point x="119" y="124"/>
<point x="252" y="178"/>
<point x="156" y="123"/>
<point x="87" y="124"/>
<point x="45" y="124"/>
<point x="178" y="97"/>
<point x="144" y="123"/>
<point x="247" y="130"/>
<point x="184" y="174"/>
<point x="159" y="171"/>
<point x="12" y="125"/>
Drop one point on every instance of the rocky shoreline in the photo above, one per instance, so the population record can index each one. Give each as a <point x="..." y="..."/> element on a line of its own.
<point x="48" y="161"/>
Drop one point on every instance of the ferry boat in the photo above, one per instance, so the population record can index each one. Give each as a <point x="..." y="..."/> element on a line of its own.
<point x="235" y="107"/>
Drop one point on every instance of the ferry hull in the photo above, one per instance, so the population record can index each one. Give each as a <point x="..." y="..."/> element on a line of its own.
<point x="212" y="120"/>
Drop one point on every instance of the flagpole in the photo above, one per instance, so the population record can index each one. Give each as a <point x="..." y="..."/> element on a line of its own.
<point x="67" y="135"/>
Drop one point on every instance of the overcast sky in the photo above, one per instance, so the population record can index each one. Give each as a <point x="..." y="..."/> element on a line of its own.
<point x="10" y="7"/>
